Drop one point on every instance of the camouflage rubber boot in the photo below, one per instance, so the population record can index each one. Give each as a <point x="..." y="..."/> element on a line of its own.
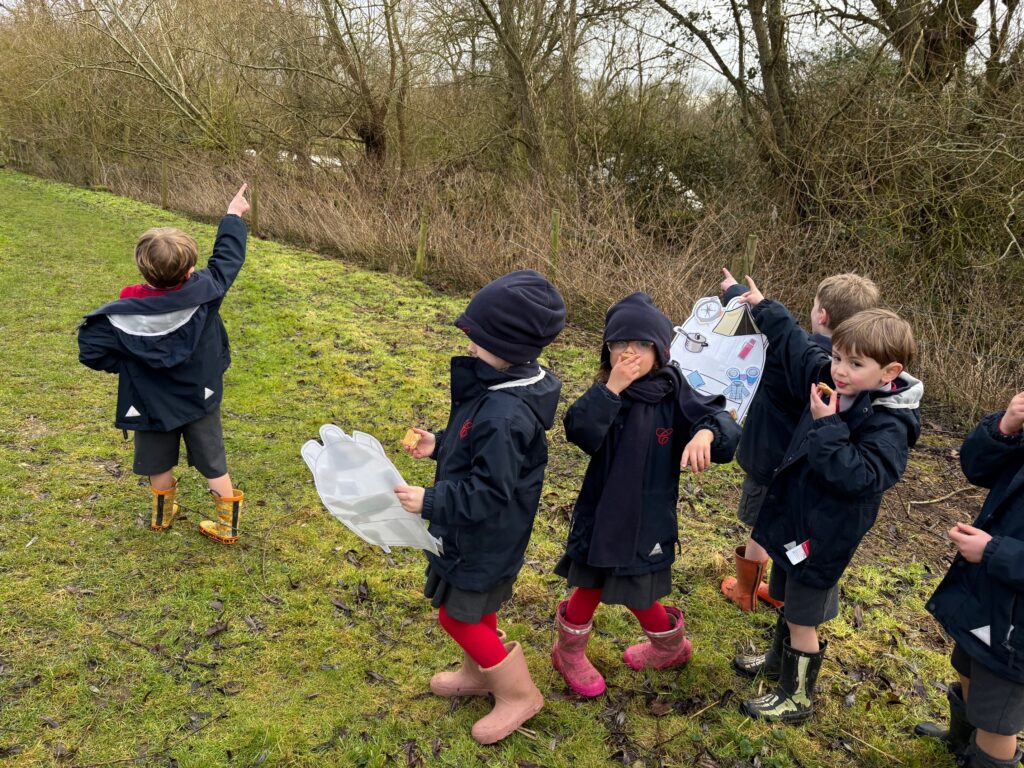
<point x="768" y="663"/>
<point x="792" y="701"/>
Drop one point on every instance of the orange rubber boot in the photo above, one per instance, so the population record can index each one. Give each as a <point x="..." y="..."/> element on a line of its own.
<point x="225" y="528"/>
<point x="164" y="508"/>
<point x="742" y="588"/>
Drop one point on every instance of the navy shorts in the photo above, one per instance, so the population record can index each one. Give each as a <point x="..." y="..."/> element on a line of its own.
<point x="805" y="606"/>
<point x="994" y="703"/>
<point x="157" y="452"/>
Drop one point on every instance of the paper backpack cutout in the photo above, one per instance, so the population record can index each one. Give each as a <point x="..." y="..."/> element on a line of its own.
<point x="356" y="482"/>
<point x="721" y="352"/>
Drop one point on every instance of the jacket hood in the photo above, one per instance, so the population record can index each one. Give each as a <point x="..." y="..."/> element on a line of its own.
<point x="904" y="401"/>
<point x="535" y="385"/>
<point x="161" y="331"/>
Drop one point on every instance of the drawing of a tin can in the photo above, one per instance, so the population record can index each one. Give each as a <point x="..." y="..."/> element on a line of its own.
<point x="746" y="348"/>
<point x="752" y="373"/>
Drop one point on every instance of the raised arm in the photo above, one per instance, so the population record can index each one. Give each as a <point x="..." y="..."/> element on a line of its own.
<point x="995" y="444"/>
<point x="229" y="247"/>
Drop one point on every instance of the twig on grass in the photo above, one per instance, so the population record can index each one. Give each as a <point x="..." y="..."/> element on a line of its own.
<point x="181" y="659"/>
<point x="159" y="753"/>
<point x="926" y="502"/>
<point x="872" y="746"/>
<point x="680" y="732"/>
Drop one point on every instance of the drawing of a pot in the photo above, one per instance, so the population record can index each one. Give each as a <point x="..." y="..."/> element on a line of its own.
<point x="695" y="342"/>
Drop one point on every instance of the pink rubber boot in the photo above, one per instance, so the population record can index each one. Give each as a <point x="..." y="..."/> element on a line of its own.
<point x="569" y="655"/>
<point x="467" y="680"/>
<point x="664" y="649"/>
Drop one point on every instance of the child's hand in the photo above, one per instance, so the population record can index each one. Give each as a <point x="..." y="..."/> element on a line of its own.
<point x="753" y="297"/>
<point x="410" y="497"/>
<point x="697" y="453"/>
<point x="819" y="408"/>
<point x="970" y="541"/>
<point x="1013" y="420"/>
<point x="728" y="281"/>
<point x="624" y="373"/>
<point x="425" y="447"/>
<point x="239" y="206"/>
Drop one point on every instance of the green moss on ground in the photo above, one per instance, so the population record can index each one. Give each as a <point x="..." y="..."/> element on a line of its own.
<point x="302" y="646"/>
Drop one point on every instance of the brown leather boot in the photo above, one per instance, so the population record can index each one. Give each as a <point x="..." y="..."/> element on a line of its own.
<point x="516" y="698"/>
<point x="467" y="680"/>
<point x="164" y="508"/>
<point x="229" y="509"/>
<point x="742" y="588"/>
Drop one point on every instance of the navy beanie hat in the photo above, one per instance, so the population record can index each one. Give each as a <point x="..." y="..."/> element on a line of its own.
<point x="636" y="318"/>
<point x="514" y="316"/>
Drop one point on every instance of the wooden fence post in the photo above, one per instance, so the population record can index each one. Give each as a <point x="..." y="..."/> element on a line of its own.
<point x="163" y="184"/>
<point x="421" y="247"/>
<point x="254" y="209"/>
<point x="745" y="264"/>
<point x="556" y="231"/>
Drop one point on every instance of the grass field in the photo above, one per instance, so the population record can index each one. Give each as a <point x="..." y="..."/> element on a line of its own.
<point x="302" y="646"/>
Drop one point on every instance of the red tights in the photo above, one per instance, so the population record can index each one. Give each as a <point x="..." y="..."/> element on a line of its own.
<point x="583" y="603"/>
<point x="479" y="640"/>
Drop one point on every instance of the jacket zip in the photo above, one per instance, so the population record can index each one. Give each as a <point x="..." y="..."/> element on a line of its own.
<point x="1009" y="633"/>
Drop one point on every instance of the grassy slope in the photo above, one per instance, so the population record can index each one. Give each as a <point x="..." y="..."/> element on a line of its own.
<point x="108" y="629"/>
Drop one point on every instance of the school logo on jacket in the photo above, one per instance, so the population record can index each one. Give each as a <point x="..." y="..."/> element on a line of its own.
<point x="466" y="426"/>
<point x="663" y="435"/>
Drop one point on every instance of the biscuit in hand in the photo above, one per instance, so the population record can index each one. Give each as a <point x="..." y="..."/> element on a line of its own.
<point x="411" y="439"/>
<point x="825" y="389"/>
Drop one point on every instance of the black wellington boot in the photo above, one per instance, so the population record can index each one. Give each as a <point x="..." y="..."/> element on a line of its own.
<point x="958" y="735"/>
<point x="792" y="701"/>
<point x="976" y="758"/>
<point x="769" y="663"/>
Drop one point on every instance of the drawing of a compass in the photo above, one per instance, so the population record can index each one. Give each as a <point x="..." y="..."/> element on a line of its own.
<point x="708" y="311"/>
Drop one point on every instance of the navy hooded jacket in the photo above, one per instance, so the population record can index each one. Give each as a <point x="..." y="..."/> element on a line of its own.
<point x="772" y="415"/>
<point x="981" y="605"/>
<point x="170" y="351"/>
<point x="593" y="423"/>
<point x="490" y="468"/>
<point x="829" y="485"/>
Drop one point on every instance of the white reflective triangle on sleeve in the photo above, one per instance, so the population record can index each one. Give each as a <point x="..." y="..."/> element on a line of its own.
<point x="132" y="412"/>
<point x="207" y="393"/>
<point x="984" y="634"/>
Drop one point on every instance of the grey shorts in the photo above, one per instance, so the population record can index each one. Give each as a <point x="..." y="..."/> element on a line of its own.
<point x="994" y="703"/>
<point x="157" y="452"/>
<point x="751" y="500"/>
<point x="806" y="606"/>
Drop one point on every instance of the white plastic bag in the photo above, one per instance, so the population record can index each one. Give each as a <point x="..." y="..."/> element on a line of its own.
<point x="356" y="482"/>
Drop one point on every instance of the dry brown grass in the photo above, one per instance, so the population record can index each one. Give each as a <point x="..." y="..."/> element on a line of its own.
<point x="481" y="227"/>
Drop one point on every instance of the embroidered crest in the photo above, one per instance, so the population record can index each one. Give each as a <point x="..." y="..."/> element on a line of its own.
<point x="663" y="435"/>
<point x="466" y="425"/>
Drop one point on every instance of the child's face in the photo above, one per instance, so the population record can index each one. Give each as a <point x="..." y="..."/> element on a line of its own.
<point x="853" y="372"/>
<point x="475" y="350"/>
<point x="645" y="349"/>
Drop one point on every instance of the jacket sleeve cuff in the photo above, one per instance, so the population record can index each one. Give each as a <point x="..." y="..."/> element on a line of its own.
<point x="732" y="292"/>
<point x="437" y="444"/>
<point x="1002" y="557"/>
<point x="427" y="513"/>
<point x="995" y="430"/>
<point x="832" y="420"/>
<point x="603" y="389"/>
